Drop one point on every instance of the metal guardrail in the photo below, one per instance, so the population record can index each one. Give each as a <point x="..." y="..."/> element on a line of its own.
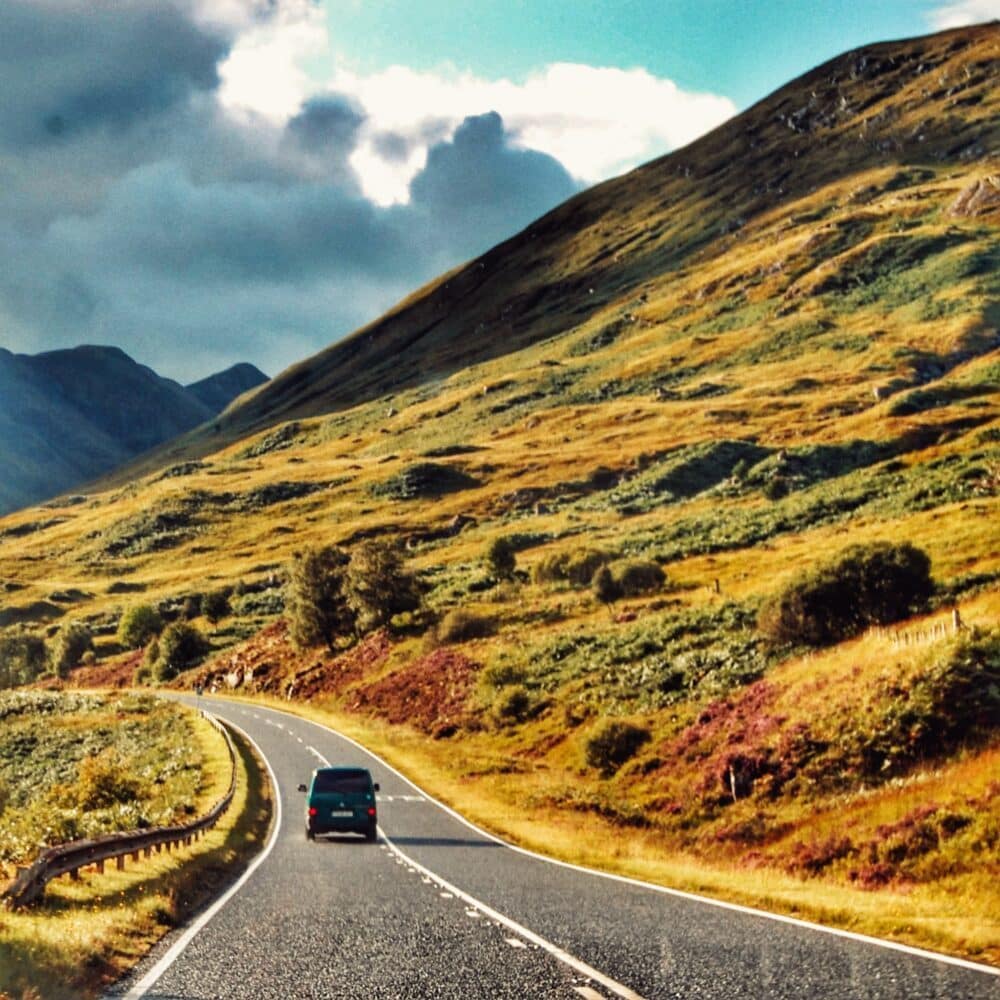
<point x="29" y="885"/>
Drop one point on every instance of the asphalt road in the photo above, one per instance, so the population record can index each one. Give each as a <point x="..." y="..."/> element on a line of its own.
<point x="437" y="909"/>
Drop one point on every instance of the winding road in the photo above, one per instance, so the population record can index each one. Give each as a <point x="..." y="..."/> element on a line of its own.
<point x="439" y="909"/>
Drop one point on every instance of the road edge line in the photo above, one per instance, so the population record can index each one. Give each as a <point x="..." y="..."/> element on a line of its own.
<point x="906" y="949"/>
<point x="175" y="951"/>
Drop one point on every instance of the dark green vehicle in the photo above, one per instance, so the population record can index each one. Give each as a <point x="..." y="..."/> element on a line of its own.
<point x="341" y="800"/>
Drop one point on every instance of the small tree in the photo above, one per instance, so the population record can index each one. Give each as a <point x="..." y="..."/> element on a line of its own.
<point x="606" y="588"/>
<point x="179" y="647"/>
<point x="501" y="559"/>
<point x="22" y="657"/>
<point x="316" y="599"/>
<point x="378" y="586"/>
<point x="215" y="605"/>
<point x="72" y="641"/>
<point x="138" y="625"/>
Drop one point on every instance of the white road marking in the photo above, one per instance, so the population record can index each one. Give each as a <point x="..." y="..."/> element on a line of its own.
<point x="449" y="891"/>
<point x="588" y="993"/>
<point x="515" y="942"/>
<point x="652" y="886"/>
<point x="721" y="904"/>
<point x="142" y="987"/>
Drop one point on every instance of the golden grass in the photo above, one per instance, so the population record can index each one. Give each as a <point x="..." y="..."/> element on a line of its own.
<point x="87" y="933"/>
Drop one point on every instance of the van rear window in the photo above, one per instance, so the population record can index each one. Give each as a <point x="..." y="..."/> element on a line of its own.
<point x="344" y="782"/>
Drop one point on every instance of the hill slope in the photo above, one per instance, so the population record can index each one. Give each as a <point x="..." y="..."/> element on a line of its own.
<point x="68" y="416"/>
<point x="733" y="362"/>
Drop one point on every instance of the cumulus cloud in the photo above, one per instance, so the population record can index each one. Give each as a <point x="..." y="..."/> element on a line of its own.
<point x="597" y="121"/>
<point x="963" y="12"/>
<point x="175" y="184"/>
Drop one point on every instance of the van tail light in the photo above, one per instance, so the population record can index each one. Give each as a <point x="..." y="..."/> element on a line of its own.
<point x="371" y="810"/>
<point x="313" y="810"/>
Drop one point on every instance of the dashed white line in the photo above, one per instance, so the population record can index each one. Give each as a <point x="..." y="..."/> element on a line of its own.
<point x="515" y="942"/>
<point x="449" y="891"/>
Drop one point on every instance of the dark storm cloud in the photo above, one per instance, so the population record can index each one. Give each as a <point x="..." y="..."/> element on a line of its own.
<point x="479" y="182"/>
<point x="327" y="123"/>
<point x="136" y="211"/>
<point x="71" y="67"/>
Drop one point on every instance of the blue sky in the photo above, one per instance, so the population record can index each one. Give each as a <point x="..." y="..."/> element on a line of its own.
<point x="741" y="48"/>
<point x="202" y="182"/>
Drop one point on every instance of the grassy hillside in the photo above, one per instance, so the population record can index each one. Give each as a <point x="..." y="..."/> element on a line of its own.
<point x="734" y="362"/>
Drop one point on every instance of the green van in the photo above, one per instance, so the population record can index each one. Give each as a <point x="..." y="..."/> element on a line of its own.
<point x="341" y="800"/>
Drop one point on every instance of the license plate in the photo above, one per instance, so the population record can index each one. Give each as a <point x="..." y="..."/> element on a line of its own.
<point x="340" y="813"/>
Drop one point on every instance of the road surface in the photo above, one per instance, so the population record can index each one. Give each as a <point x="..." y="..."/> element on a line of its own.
<point x="439" y="909"/>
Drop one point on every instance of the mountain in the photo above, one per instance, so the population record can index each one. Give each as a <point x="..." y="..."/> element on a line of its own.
<point x="219" y="390"/>
<point x="726" y="369"/>
<point x="68" y="416"/>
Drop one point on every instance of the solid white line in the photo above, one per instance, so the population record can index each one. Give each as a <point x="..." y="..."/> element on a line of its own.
<point x="619" y="989"/>
<point x="174" y="952"/>
<point x="721" y="904"/>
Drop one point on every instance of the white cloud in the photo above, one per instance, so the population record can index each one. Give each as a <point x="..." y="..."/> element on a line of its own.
<point x="264" y="71"/>
<point x="963" y="12"/>
<point x="597" y="121"/>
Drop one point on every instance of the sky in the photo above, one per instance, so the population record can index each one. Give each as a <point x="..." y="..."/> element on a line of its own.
<point x="203" y="182"/>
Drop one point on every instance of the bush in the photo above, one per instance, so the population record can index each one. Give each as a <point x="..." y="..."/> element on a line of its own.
<point x="215" y="605"/>
<point x="103" y="782"/>
<point x="501" y="559"/>
<point x="606" y="588"/>
<point x="613" y="744"/>
<point x="316" y="599"/>
<point x="512" y="704"/>
<point x="459" y="625"/>
<point x="138" y="625"/>
<point x="179" y="647"/>
<point x="498" y="675"/>
<point x="640" y="577"/>
<point x="575" y="567"/>
<point x="72" y="641"/>
<point x="872" y="584"/>
<point x="23" y="657"/>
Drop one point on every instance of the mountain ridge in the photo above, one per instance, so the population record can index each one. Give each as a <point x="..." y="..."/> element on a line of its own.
<point x="68" y="416"/>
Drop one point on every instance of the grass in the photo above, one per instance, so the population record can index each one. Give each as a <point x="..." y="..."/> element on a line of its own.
<point x="734" y="362"/>
<point x="86" y="934"/>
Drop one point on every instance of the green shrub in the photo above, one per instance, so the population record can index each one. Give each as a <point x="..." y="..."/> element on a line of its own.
<point x="23" y="657"/>
<point x="640" y="577"/>
<point x="459" y="625"/>
<point x="605" y="587"/>
<point x="613" y="744"/>
<point x="872" y="584"/>
<point x="512" y="704"/>
<point x="576" y="567"/>
<point x="501" y="558"/>
<point x="179" y="647"/>
<point x="103" y="781"/>
<point x="138" y="625"/>
<point x="215" y="605"/>
<point x="503" y="674"/>
<point x="72" y="641"/>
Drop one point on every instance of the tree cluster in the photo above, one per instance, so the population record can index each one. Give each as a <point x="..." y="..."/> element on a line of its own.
<point x="331" y="593"/>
